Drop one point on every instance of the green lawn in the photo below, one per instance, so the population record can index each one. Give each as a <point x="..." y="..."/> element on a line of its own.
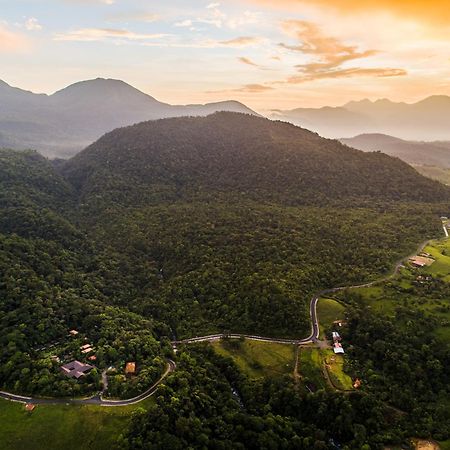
<point x="401" y="290"/>
<point x="54" y="427"/>
<point x="328" y="311"/>
<point x="335" y="368"/>
<point x="439" y="250"/>
<point x="259" y="359"/>
<point x="311" y="367"/>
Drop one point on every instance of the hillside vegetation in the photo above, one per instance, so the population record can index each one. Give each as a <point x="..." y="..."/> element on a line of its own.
<point x="182" y="227"/>
<point x="189" y="158"/>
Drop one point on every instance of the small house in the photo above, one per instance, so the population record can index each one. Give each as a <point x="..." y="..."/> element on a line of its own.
<point x="130" y="368"/>
<point x="421" y="261"/>
<point x="73" y="332"/>
<point x="338" y="349"/>
<point x="336" y="336"/>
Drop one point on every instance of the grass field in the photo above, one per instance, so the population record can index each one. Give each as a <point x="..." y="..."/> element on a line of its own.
<point x="311" y="367"/>
<point x="328" y="311"/>
<point x="405" y="290"/>
<point x="335" y="368"/>
<point x="439" y="250"/>
<point x="259" y="359"/>
<point x="54" y="427"/>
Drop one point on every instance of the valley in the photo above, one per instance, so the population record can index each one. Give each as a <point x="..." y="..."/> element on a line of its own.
<point x="191" y="230"/>
<point x="316" y="368"/>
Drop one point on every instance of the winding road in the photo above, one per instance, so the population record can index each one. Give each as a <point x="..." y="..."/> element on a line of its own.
<point x="171" y="365"/>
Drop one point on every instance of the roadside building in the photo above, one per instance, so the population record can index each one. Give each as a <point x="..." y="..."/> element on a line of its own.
<point x="337" y="348"/>
<point x="30" y="407"/>
<point x="421" y="261"/>
<point x="336" y="336"/>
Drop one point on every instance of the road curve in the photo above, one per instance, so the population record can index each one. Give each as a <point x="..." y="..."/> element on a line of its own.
<point x="315" y="330"/>
<point x="96" y="400"/>
<point x="171" y="366"/>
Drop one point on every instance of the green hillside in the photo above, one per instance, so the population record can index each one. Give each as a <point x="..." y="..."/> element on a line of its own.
<point x="226" y="153"/>
<point x="184" y="227"/>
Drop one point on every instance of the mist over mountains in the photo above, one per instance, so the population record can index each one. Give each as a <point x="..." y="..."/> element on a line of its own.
<point x="61" y="124"/>
<point x="426" y="120"/>
<point x="413" y="152"/>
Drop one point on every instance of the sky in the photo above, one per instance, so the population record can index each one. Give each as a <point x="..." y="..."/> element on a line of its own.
<point x="269" y="54"/>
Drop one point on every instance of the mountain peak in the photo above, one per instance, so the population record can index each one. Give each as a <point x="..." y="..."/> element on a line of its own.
<point x="435" y="100"/>
<point x="99" y="87"/>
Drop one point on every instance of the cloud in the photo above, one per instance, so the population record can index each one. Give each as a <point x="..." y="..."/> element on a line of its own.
<point x="254" y="88"/>
<point x="436" y="12"/>
<point x="32" y="24"/>
<point x="328" y="55"/>
<point x="136" y="16"/>
<point x="175" y="42"/>
<point x="214" y="16"/>
<point x="247" y="18"/>
<point x="11" y="42"/>
<point x="247" y="61"/>
<point x="184" y="23"/>
<point x="347" y="73"/>
<point x="247" y="88"/>
<point x="104" y="34"/>
<point x="242" y="41"/>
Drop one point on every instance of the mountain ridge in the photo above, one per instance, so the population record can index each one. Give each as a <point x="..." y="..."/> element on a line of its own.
<point x="423" y="120"/>
<point x="419" y="153"/>
<point x="243" y="154"/>
<point x="63" y="123"/>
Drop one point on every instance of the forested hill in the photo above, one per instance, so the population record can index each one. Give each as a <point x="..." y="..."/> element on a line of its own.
<point x="183" y="158"/>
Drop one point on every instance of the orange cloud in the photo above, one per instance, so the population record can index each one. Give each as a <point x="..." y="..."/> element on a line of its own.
<point x="347" y="73"/>
<point x="248" y="88"/>
<point x="242" y="41"/>
<point x="436" y="11"/>
<point x="329" y="54"/>
<point x="103" y="34"/>
<point x="247" y="61"/>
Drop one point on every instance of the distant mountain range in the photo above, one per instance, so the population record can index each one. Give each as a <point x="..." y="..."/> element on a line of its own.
<point x="427" y="120"/>
<point x="62" y="124"/>
<point x="413" y="152"/>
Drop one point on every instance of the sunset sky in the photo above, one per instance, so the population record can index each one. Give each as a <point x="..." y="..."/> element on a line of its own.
<point x="267" y="54"/>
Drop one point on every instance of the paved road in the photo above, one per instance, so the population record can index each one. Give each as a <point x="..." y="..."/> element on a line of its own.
<point x="171" y="366"/>
<point x="315" y="330"/>
<point x="96" y="400"/>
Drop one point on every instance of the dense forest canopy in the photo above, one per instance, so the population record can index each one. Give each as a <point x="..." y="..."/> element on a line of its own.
<point x="226" y="153"/>
<point x="188" y="226"/>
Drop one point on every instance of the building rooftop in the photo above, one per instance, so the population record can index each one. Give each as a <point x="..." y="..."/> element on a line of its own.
<point x="421" y="261"/>
<point x="76" y="369"/>
<point x="130" y="367"/>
